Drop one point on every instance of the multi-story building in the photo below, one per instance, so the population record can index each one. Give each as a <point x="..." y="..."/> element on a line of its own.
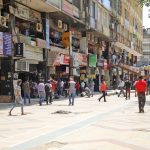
<point x="127" y="17"/>
<point x="60" y="38"/>
<point x="146" y="51"/>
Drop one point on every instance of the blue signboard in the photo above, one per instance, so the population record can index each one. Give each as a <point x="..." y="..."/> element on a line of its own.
<point x="7" y="45"/>
<point x="47" y="31"/>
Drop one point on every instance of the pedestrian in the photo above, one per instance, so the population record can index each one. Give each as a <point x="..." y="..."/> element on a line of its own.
<point x="128" y="88"/>
<point x="148" y="86"/>
<point x="141" y="87"/>
<point x="72" y="91"/>
<point x="77" y="88"/>
<point x="91" y="86"/>
<point x="103" y="89"/>
<point x="48" y="92"/>
<point x="41" y="92"/>
<point x="82" y="86"/>
<point x="62" y="88"/>
<point x="26" y="91"/>
<point x="18" y="97"/>
<point x="121" y="87"/>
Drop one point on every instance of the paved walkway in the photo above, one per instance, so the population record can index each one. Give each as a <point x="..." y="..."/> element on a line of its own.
<point x="90" y="125"/>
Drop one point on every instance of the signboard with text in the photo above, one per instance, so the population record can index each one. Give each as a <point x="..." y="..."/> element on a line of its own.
<point x="7" y="41"/>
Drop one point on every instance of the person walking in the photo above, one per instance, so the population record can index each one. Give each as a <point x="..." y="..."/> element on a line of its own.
<point x="141" y="87"/>
<point x="128" y="88"/>
<point x="41" y="92"/>
<point x="103" y="89"/>
<point x="72" y="91"/>
<point x="18" y="97"/>
<point x="121" y="87"/>
<point x="26" y="91"/>
<point x="48" y="91"/>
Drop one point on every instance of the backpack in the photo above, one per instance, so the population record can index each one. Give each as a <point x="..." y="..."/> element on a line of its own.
<point x="47" y="88"/>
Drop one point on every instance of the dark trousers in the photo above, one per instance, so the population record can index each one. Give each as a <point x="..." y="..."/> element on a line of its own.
<point x="48" y="97"/>
<point x="103" y="95"/>
<point x="141" y="100"/>
<point x="128" y="92"/>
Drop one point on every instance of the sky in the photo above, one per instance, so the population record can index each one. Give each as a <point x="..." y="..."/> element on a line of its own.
<point x="146" y="20"/>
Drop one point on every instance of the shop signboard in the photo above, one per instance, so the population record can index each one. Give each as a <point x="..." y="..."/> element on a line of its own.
<point x="92" y="60"/>
<point x="64" y="59"/>
<point x="47" y="24"/>
<point x="1" y="43"/>
<point x="79" y="59"/>
<point x="7" y="41"/>
<point x="56" y="3"/>
<point x="100" y="62"/>
<point x="67" y="7"/>
<point x="19" y="49"/>
<point x="75" y="12"/>
<point x="35" y="16"/>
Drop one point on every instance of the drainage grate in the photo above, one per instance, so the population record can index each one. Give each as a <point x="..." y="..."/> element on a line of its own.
<point x="61" y="112"/>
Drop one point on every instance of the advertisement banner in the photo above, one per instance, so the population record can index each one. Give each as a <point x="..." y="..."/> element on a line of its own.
<point x="92" y="60"/>
<point x="1" y="43"/>
<point x="79" y="59"/>
<point x="65" y="59"/>
<point x="7" y="41"/>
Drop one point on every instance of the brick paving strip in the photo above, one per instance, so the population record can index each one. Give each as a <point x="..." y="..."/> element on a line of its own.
<point x="42" y="139"/>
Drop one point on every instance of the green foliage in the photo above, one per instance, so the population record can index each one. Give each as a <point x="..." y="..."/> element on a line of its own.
<point x="144" y="2"/>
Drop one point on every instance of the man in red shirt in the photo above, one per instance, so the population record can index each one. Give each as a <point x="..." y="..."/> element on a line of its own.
<point x="141" y="87"/>
<point x="103" y="89"/>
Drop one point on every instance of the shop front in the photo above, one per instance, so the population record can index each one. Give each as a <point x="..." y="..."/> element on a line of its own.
<point x="5" y="67"/>
<point x="31" y="65"/>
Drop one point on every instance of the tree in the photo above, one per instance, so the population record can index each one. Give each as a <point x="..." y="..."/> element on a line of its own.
<point x="144" y="2"/>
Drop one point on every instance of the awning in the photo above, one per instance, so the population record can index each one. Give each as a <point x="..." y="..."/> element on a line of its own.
<point x="122" y="46"/>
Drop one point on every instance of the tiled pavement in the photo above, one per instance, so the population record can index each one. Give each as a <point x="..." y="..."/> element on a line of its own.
<point x="91" y="125"/>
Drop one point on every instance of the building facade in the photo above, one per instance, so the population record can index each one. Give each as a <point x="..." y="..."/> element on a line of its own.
<point x="62" y="38"/>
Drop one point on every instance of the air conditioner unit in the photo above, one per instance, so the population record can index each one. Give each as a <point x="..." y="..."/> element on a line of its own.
<point x="21" y="66"/>
<point x="65" y="27"/>
<point x="59" y="24"/>
<point x="3" y="21"/>
<point x="39" y="27"/>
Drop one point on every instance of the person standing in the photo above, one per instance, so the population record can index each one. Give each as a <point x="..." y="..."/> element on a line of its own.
<point x="18" y="97"/>
<point x="91" y="86"/>
<point x="141" y="87"/>
<point x="82" y="86"/>
<point x="48" y="91"/>
<point x="41" y="92"/>
<point x="62" y="88"/>
<point x="128" y="88"/>
<point x="121" y="87"/>
<point x="26" y="91"/>
<point x="72" y="91"/>
<point x="77" y="88"/>
<point x="103" y="89"/>
<point x="148" y="86"/>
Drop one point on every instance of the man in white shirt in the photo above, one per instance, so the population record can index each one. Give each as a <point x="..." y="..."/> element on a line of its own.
<point x="121" y="87"/>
